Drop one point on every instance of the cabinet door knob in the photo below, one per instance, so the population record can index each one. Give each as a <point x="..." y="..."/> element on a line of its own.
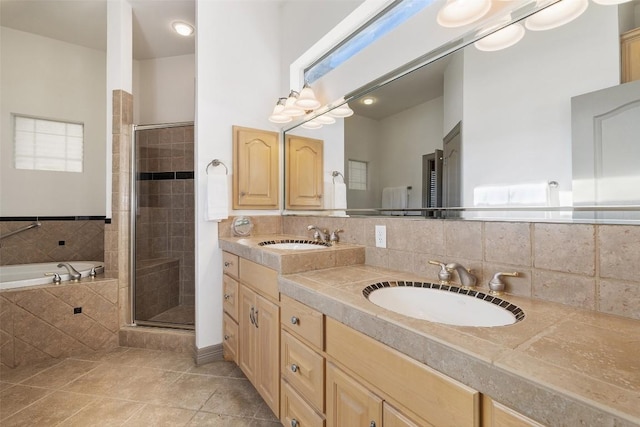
<point x="294" y="423"/>
<point x="227" y="296"/>
<point x="294" y="368"/>
<point x="242" y="194"/>
<point x="226" y="337"/>
<point x="373" y="424"/>
<point x="227" y="263"/>
<point x="295" y="320"/>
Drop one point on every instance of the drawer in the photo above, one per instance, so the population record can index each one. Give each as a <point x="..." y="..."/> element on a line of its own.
<point x="303" y="368"/>
<point x="260" y="278"/>
<point x="230" y="264"/>
<point x="302" y="320"/>
<point x="294" y="411"/>
<point x="230" y="341"/>
<point x="230" y="296"/>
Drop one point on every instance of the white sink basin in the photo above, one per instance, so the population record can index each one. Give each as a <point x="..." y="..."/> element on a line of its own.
<point x="294" y="245"/>
<point x="444" y="305"/>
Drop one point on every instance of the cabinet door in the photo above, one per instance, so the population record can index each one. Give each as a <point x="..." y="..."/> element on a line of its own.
<point x="303" y="175"/>
<point x="267" y="320"/>
<point x="230" y="343"/>
<point x="630" y="50"/>
<point x="391" y="417"/>
<point x="255" y="173"/>
<point x="247" y="350"/>
<point x="497" y="415"/>
<point x="349" y="404"/>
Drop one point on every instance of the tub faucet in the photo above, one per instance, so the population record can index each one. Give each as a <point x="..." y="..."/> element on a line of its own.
<point x="319" y="235"/>
<point x="466" y="278"/>
<point x="75" y="274"/>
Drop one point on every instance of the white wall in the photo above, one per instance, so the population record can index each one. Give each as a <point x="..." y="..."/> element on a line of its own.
<point x="48" y="78"/>
<point x="164" y="90"/>
<point x="521" y="115"/>
<point x="405" y="138"/>
<point x="238" y="75"/>
<point x="453" y="92"/>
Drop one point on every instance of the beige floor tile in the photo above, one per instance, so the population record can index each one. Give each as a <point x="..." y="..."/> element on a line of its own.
<point x="205" y="419"/>
<point x="103" y="412"/>
<point x="265" y="413"/>
<point x="101" y="356"/>
<point x="21" y="373"/>
<point x="189" y="392"/>
<point x="235" y="397"/>
<point x="173" y="362"/>
<point x="4" y="385"/>
<point x="151" y="415"/>
<point x="219" y="369"/>
<point x="18" y="397"/>
<point x="61" y="374"/>
<point x="135" y="357"/>
<point x="49" y="411"/>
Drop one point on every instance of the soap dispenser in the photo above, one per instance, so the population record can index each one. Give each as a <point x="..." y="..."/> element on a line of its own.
<point x="444" y="275"/>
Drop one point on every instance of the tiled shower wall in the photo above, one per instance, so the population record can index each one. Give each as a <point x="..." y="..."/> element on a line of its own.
<point x="73" y="240"/>
<point x="593" y="267"/>
<point x="165" y="223"/>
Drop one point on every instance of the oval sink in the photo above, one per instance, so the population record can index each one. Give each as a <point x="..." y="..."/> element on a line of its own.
<point x="450" y="305"/>
<point x="294" y="245"/>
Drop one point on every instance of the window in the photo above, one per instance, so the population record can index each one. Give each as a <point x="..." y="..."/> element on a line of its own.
<point x="357" y="175"/>
<point x="49" y="145"/>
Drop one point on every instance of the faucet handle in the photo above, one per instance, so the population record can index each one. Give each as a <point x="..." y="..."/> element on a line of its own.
<point x="444" y="275"/>
<point x="334" y="235"/>
<point x="496" y="285"/>
<point x="56" y="277"/>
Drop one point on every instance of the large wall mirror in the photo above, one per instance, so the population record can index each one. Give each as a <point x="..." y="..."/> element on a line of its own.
<point x="544" y="124"/>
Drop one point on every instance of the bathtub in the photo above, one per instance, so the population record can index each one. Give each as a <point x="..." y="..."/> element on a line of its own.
<point x="24" y="275"/>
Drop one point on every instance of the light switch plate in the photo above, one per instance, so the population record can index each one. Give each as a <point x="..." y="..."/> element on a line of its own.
<point x="381" y="236"/>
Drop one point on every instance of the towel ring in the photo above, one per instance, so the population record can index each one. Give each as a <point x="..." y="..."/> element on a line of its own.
<point x="336" y="173"/>
<point x="215" y="163"/>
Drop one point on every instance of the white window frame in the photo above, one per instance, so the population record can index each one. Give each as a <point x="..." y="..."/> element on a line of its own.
<point x="355" y="180"/>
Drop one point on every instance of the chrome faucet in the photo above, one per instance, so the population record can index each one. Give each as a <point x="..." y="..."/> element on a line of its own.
<point x="319" y="235"/>
<point x="466" y="278"/>
<point x="75" y="274"/>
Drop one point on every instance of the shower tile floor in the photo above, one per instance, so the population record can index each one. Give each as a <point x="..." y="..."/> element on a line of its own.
<point x="182" y="314"/>
<point x="130" y="387"/>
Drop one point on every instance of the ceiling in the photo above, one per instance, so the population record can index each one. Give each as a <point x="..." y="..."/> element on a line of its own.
<point x="84" y="22"/>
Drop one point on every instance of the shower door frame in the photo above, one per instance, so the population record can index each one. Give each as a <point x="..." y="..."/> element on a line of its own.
<point x="132" y="233"/>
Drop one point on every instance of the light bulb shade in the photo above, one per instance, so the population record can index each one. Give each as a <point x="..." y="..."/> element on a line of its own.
<point x="277" y="116"/>
<point x="290" y="108"/>
<point x="311" y="124"/>
<point x="456" y="13"/>
<point x="307" y="99"/>
<point x="501" y="39"/>
<point x="342" y="111"/>
<point x="556" y="15"/>
<point x="325" y="119"/>
<point x="610" y="2"/>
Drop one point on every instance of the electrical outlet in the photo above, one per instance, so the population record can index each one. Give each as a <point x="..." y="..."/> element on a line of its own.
<point x="381" y="236"/>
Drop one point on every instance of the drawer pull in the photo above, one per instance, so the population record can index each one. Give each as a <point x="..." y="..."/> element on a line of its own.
<point x="227" y="264"/>
<point x="226" y="337"/>
<point x="294" y="368"/>
<point x="373" y="424"/>
<point x="294" y="423"/>
<point x="227" y="296"/>
<point x="295" y="320"/>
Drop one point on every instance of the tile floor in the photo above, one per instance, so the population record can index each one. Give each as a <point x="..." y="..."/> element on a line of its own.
<point x="130" y="387"/>
<point x="183" y="314"/>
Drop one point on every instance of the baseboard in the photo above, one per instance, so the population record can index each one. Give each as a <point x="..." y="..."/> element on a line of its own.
<point x="212" y="353"/>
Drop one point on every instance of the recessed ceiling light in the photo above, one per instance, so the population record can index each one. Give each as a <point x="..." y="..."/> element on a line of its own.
<point x="368" y="101"/>
<point x="182" y="28"/>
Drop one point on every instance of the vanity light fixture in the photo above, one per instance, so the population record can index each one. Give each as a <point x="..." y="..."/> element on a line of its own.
<point x="501" y="39"/>
<point x="342" y="111"/>
<point x="556" y="15"/>
<point x="182" y="28"/>
<point x="290" y="108"/>
<point x="325" y="119"/>
<point x="457" y="13"/>
<point x="610" y="2"/>
<point x="312" y="124"/>
<point x="277" y="116"/>
<point x="307" y="99"/>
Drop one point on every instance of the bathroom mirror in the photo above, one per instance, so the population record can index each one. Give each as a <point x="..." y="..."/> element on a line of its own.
<point x="514" y="110"/>
<point x="54" y="68"/>
<point x="242" y="226"/>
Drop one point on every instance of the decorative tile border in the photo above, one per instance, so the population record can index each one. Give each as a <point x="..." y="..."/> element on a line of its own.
<point x="514" y="309"/>
<point x="309" y="242"/>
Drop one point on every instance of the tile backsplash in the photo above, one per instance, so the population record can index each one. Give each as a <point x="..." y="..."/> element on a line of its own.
<point x="593" y="267"/>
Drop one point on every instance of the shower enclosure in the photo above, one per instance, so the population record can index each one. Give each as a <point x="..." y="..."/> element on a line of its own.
<point x="162" y="264"/>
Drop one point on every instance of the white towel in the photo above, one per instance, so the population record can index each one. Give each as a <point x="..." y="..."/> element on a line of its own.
<point x="328" y="195"/>
<point x="339" y="195"/>
<point x="395" y="198"/>
<point x="217" y="197"/>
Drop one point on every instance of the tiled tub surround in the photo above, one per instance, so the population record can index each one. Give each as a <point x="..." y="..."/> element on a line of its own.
<point x="39" y="323"/>
<point x="560" y="365"/>
<point x="54" y="240"/>
<point x="594" y="267"/>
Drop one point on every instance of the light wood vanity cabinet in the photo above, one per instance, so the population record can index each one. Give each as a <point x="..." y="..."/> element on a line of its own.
<point x="304" y="184"/>
<point x="630" y="53"/>
<point x="230" y="307"/>
<point x="256" y="170"/>
<point x="496" y="415"/>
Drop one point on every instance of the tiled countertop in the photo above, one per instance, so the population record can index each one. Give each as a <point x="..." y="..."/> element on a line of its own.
<point x="560" y="365"/>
